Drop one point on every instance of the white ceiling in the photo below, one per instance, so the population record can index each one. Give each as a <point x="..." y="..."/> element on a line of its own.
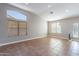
<point x="60" y="10"/>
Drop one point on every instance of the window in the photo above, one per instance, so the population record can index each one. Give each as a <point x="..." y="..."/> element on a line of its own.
<point x="17" y="15"/>
<point x="56" y="28"/>
<point x="12" y="28"/>
<point x="22" y="28"/>
<point x="17" y="24"/>
<point x="75" y="30"/>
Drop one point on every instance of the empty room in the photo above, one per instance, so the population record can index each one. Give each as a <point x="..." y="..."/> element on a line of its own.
<point x="39" y="29"/>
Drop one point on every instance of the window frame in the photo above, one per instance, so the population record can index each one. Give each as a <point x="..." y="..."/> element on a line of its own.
<point x="18" y="29"/>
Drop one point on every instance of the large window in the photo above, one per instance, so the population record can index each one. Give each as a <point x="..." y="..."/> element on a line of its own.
<point x="75" y="30"/>
<point x="17" y="24"/>
<point x="12" y="27"/>
<point x="56" y="28"/>
<point x="17" y="15"/>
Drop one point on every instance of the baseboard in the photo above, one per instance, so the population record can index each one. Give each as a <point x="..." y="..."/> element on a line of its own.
<point x="21" y="41"/>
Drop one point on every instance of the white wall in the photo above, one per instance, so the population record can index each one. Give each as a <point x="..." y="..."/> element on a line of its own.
<point x="3" y="27"/>
<point x="36" y="26"/>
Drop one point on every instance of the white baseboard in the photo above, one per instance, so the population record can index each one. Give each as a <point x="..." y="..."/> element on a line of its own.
<point x="21" y="41"/>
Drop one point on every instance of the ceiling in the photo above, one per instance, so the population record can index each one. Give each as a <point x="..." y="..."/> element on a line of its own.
<point x="51" y="11"/>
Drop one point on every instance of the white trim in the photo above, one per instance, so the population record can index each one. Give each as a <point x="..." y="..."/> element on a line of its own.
<point x="21" y="41"/>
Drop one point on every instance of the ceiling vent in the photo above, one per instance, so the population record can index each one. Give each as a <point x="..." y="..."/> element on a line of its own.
<point x="51" y="12"/>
